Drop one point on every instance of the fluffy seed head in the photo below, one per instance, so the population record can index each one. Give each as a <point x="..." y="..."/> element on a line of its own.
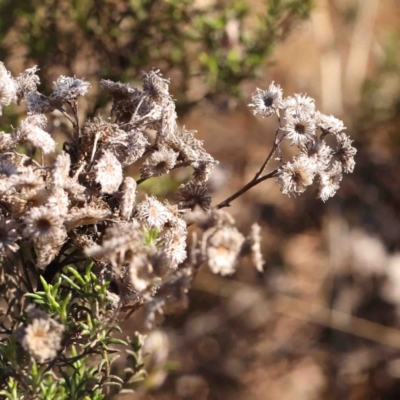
<point x="8" y="88"/>
<point x="67" y="89"/>
<point x="345" y="152"/>
<point x="223" y="249"/>
<point x="109" y="172"/>
<point x="329" y="124"/>
<point x="159" y="163"/>
<point x="329" y="181"/>
<point x="267" y="102"/>
<point x="42" y="338"/>
<point x="43" y="225"/>
<point x="295" y="176"/>
<point x="299" y="130"/>
<point x="153" y="213"/>
<point x="299" y="105"/>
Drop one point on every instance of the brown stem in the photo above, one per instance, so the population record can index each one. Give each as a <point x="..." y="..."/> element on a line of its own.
<point x="255" y="181"/>
<point x="277" y="142"/>
<point x="74" y="107"/>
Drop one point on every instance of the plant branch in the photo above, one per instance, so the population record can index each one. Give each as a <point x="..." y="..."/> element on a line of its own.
<point x="255" y="181"/>
<point x="277" y="142"/>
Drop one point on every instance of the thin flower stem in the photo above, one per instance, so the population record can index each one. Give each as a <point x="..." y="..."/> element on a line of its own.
<point x="74" y="107"/>
<point x="255" y="181"/>
<point x="257" y="177"/>
<point x="59" y="108"/>
<point x="277" y="142"/>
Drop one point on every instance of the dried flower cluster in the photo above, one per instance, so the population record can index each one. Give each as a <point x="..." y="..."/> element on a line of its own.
<point x="79" y="203"/>
<point x="307" y="129"/>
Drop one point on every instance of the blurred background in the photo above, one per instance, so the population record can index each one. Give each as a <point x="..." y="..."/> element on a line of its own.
<point x="322" y="321"/>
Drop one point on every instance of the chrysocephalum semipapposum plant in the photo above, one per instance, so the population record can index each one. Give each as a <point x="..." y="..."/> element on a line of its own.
<point x="82" y="246"/>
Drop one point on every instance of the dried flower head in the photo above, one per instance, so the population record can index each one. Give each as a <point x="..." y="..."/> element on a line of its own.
<point x="43" y="225"/>
<point x="329" y="181"/>
<point x="329" y="124"/>
<point x="89" y="215"/>
<point x="7" y="142"/>
<point x="267" y="102"/>
<point x="46" y="253"/>
<point x="67" y="89"/>
<point x="36" y="103"/>
<point x="193" y="194"/>
<point x="28" y="178"/>
<point x="42" y="338"/>
<point x="300" y="129"/>
<point x="155" y="86"/>
<point x="295" y="176"/>
<point x="175" y="246"/>
<point x="299" y="106"/>
<point x="222" y="250"/>
<point x="109" y="172"/>
<point x="160" y="162"/>
<point x="27" y="82"/>
<point x="21" y="201"/>
<point x="8" y="88"/>
<point x="319" y="152"/>
<point x="345" y="152"/>
<point x="153" y="213"/>
<point x="203" y="170"/>
<point x="34" y="134"/>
